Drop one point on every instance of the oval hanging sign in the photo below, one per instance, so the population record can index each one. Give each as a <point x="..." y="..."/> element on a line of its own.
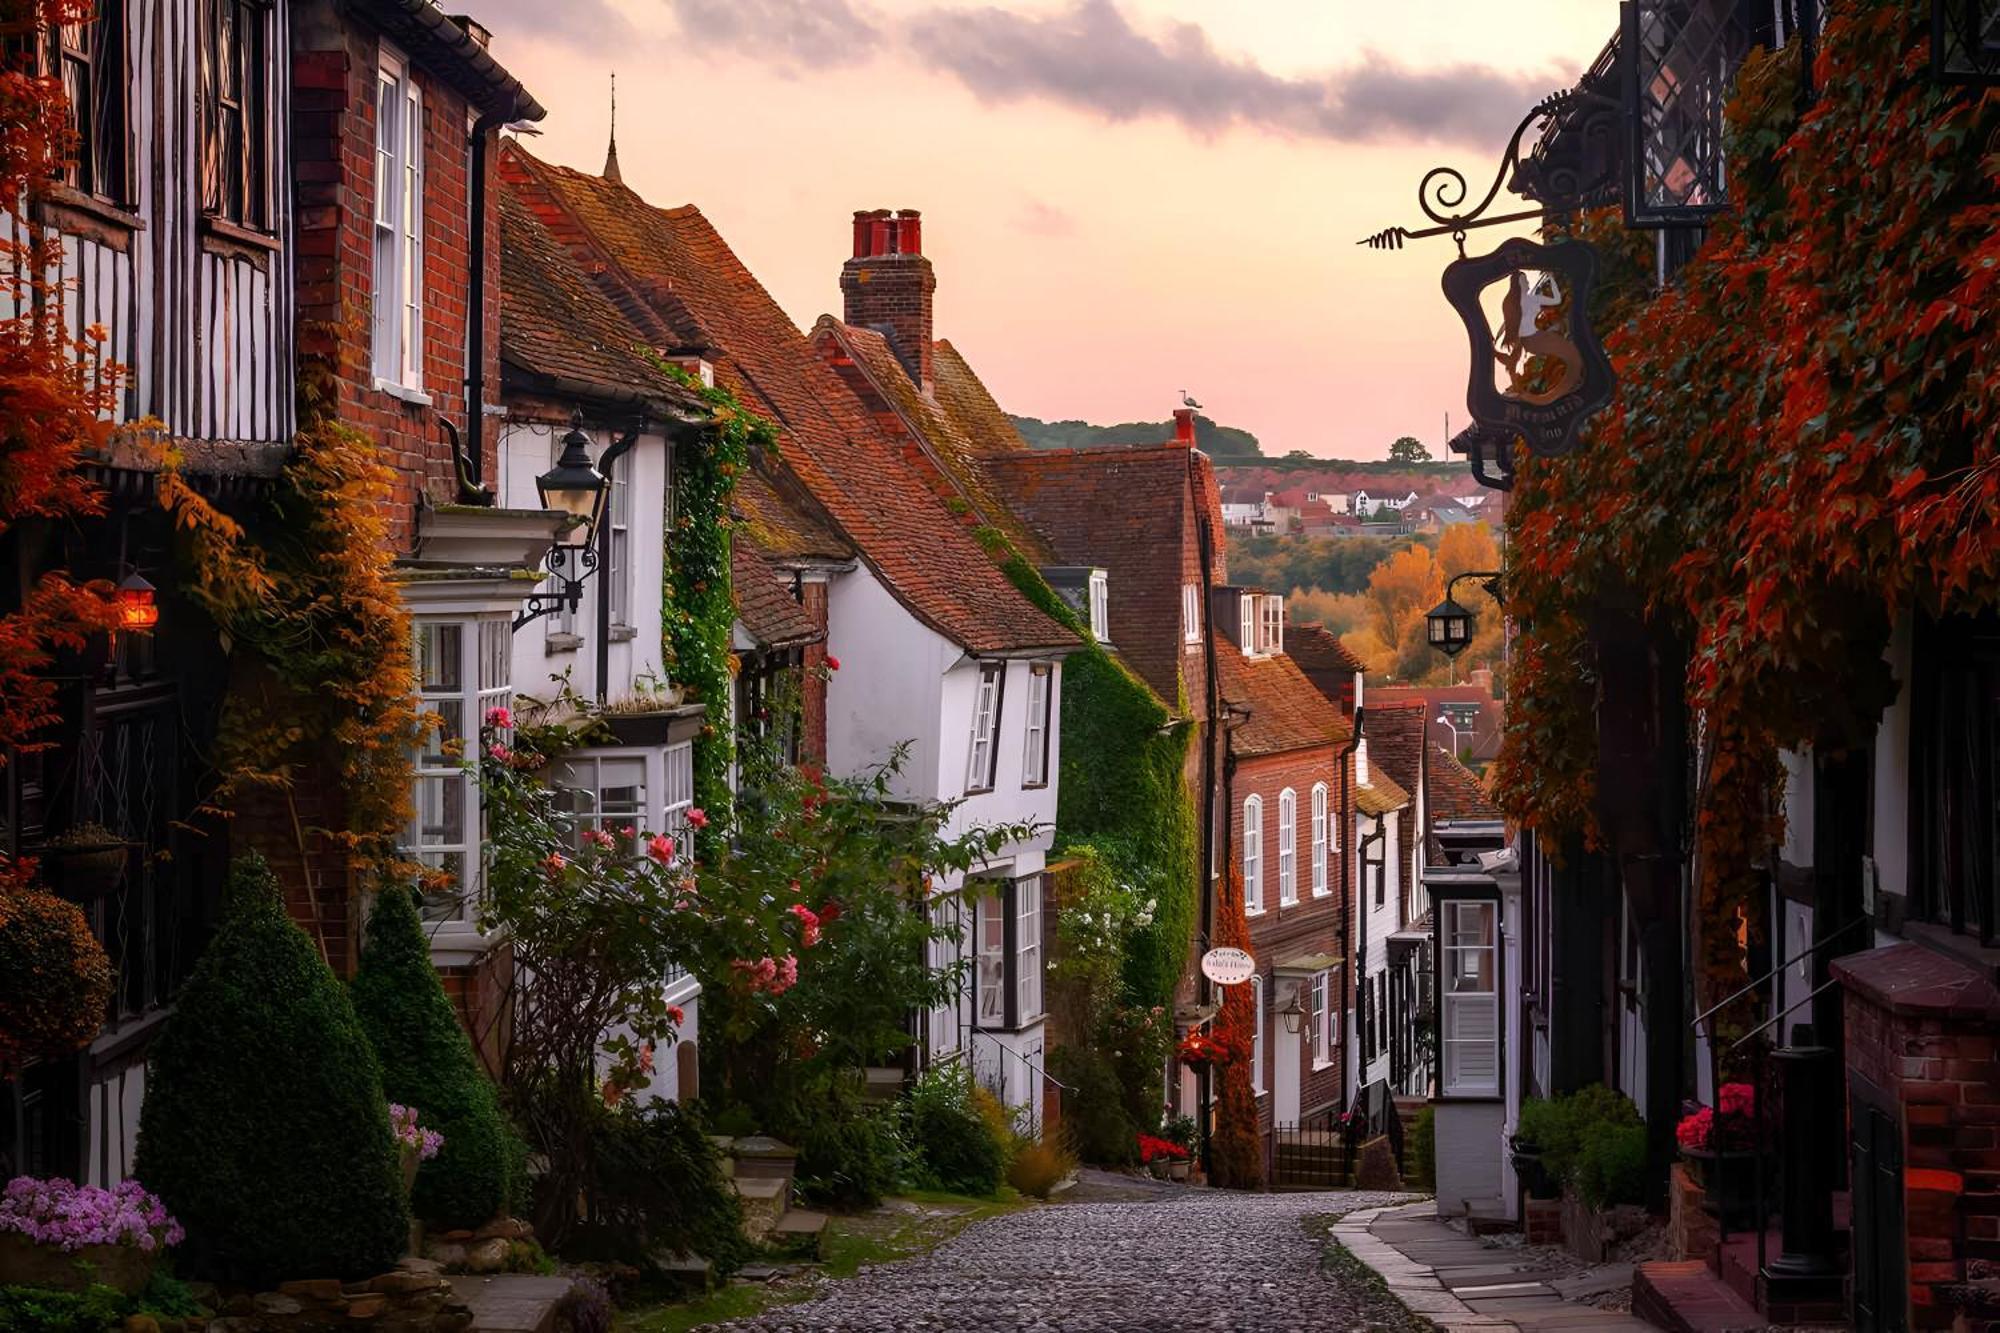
<point x="1228" y="967"/>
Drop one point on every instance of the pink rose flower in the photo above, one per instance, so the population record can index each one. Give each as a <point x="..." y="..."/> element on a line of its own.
<point x="499" y="718"/>
<point x="553" y="863"/>
<point x="499" y="753"/>
<point x="832" y="662"/>
<point x="660" y="848"/>
<point x="697" y="817"/>
<point x="676" y="1015"/>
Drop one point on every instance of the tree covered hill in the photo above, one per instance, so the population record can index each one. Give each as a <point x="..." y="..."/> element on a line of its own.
<point x="1217" y="442"/>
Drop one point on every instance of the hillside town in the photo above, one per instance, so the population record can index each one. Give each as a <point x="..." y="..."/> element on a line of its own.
<point x="543" y="792"/>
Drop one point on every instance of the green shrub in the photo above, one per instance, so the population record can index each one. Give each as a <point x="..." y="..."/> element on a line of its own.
<point x="1094" y="1106"/>
<point x="265" y="1129"/>
<point x="1540" y="1125"/>
<point x="45" y="1310"/>
<point x="428" y="1063"/>
<point x="1423" y="1148"/>
<point x="1591" y="1141"/>
<point x="654" y="1182"/>
<point x="956" y="1148"/>
<point x="851" y="1151"/>
<point x="1611" y="1168"/>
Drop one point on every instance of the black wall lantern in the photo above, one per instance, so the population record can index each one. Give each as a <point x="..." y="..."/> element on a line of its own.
<point x="1965" y="42"/>
<point x="576" y="488"/>
<point x="1449" y="626"/>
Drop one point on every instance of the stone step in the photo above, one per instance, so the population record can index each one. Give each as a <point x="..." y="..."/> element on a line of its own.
<point x="1686" y="1297"/>
<point x="763" y="1200"/>
<point x="690" y="1273"/>
<point x="800" y="1233"/>
<point x="511" y="1302"/>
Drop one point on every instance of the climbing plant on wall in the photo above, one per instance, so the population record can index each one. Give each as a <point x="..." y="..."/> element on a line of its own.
<point x="1805" y="445"/>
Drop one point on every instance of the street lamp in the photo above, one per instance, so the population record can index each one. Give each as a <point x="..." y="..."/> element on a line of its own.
<point x="1448" y="625"/>
<point x="1444" y="720"/>
<point x="577" y="489"/>
<point x="136" y="607"/>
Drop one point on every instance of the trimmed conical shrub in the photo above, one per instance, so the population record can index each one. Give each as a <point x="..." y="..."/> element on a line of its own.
<point x="265" y="1130"/>
<point x="428" y="1063"/>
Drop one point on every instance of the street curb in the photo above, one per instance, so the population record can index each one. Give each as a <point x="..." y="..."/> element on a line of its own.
<point x="1415" y="1285"/>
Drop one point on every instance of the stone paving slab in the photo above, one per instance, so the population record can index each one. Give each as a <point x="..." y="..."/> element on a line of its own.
<point x="511" y="1302"/>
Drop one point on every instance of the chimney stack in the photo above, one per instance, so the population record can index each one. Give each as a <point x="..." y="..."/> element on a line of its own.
<point x="1184" y="427"/>
<point x="888" y="284"/>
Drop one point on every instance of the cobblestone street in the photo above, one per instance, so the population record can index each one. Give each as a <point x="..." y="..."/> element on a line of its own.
<point x="1188" y="1260"/>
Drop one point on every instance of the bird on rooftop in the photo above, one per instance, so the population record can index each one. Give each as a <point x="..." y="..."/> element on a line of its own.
<point x="1187" y="401"/>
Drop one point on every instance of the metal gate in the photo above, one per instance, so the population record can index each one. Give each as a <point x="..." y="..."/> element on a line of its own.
<point x="1879" y="1295"/>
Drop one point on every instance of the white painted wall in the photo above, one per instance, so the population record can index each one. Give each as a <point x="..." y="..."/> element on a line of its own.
<point x="1469" y="1169"/>
<point x="890" y="683"/>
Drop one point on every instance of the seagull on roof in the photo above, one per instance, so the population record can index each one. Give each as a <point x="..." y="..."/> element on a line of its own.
<point x="1187" y="401"/>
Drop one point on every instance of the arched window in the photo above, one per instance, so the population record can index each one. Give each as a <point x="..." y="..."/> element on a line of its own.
<point x="1253" y="854"/>
<point x="1288" y="847"/>
<point x="1320" y="886"/>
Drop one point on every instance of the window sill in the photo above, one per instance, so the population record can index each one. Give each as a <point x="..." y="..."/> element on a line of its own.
<point x="1253" y="911"/>
<point x="75" y="213"/>
<point x="1320" y="1066"/>
<point x="220" y="236"/>
<point x="414" y="397"/>
<point x="978" y="791"/>
<point x="558" y="642"/>
<point x="1034" y="786"/>
<point x="623" y="634"/>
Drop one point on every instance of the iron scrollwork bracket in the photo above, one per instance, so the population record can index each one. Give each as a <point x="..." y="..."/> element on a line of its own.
<point x="1560" y="188"/>
<point x="568" y="594"/>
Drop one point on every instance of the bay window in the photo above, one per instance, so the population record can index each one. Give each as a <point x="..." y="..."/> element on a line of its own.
<point x="1007" y="952"/>
<point x="1320" y="885"/>
<point x="604" y="792"/>
<point x="1469" y="931"/>
<point x="1288" y="857"/>
<point x="985" y="750"/>
<point x="1253" y="855"/>
<point x="399" y="212"/>
<point x="678" y="799"/>
<point x="463" y="672"/>
<point x="1035" y="754"/>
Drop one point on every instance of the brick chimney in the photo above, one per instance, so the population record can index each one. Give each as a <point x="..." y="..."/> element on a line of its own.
<point x="1184" y="430"/>
<point x="887" y="285"/>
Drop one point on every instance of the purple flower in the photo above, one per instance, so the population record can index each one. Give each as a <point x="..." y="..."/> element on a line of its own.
<point x="410" y="1136"/>
<point x="68" y="1216"/>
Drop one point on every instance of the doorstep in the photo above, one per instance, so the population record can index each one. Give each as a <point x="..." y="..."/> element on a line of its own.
<point x="1454" y="1282"/>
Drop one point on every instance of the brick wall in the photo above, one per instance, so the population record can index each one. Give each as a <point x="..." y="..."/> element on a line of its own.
<point x="1313" y="925"/>
<point x="334" y="67"/>
<point x="1921" y="1042"/>
<point x="894" y="292"/>
<point x="482" y="995"/>
<point x="812" y="595"/>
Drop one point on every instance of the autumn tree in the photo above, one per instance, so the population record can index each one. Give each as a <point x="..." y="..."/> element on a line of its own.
<point x="1409" y="449"/>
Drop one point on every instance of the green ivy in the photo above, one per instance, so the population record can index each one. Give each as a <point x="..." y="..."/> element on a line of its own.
<point x="698" y="605"/>
<point x="1122" y="787"/>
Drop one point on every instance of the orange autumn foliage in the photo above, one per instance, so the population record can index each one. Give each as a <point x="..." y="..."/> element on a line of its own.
<point x="1236" y="1150"/>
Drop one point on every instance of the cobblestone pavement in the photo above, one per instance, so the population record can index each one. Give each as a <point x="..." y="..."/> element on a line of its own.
<point x="1196" y="1260"/>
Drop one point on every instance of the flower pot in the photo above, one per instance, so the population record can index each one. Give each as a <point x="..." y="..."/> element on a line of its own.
<point x="410" y="1160"/>
<point x="1533" y="1175"/>
<point x="1728" y="1184"/>
<point x="24" y="1263"/>
<point x="1158" y="1168"/>
<point x="1179" y="1170"/>
<point x="84" y="873"/>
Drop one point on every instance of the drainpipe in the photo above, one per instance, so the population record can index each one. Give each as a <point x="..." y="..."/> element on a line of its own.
<point x="475" y="380"/>
<point x="1360" y="955"/>
<point x="610" y="456"/>
<point x="1344" y="761"/>
<point x="1205" y="550"/>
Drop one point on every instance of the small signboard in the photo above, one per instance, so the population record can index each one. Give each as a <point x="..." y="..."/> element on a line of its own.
<point x="1228" y="967"/>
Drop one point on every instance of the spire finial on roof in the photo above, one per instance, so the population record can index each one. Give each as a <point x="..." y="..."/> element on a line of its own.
<point x="611" y="172"/>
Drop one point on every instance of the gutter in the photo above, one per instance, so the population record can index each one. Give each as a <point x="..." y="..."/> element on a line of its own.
<point x="505" y="98"/>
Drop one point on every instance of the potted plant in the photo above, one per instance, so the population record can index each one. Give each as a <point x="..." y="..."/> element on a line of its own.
<point x="1161" y="1156"/>
<point x="1721" y="1144"/>
<point x="57" y="1233"/>
<point x="86" y="861"/>
<point x="1206" y="1049"/>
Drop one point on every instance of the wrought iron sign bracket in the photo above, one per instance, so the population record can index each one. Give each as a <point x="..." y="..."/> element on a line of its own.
<point x="568" y="595"/>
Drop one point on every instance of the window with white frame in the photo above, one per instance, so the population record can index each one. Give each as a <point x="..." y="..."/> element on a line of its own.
<point x="1191" y="612"/>
<point x="1256" y="984"/>
<point x="1288" y="847"/>
<point x="1253" y="855"/>
<point x="617" y="571"/>
<point x="985" y="749"/>
<point x="1470" y="999"/>
<point x="1100" y="606"/>
<point x="397" y="299"/>
<point x="677" y="798"/>
<point x="1027" y="949"/>
<point x="604" y="792"/>
<point x="1324" y="1017"/>
<point x="463" y="672"/>
<point x="1271" y="638"/>
<point x="1007" y="953"/>
<point x="990" y="961"/>
<point x="1320" y="886"/>
<point x="1035" y="744"/>
<point x="1246" y="622"/>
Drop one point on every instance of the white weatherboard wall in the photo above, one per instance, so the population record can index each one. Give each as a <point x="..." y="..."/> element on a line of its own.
<point x="1382" y="922"/>
<point x="1470" y="1154"/>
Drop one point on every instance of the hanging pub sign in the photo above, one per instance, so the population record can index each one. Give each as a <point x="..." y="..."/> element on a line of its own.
<point x="1538" y="370"/>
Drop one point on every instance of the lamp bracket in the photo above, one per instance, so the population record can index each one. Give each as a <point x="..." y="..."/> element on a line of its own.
<point x="568" y="594"/>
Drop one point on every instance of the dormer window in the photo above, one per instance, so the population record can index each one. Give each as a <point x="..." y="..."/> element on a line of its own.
<point x="1100" y="606"/>
<point x="1260" y="623"/>
<point x="1272" y="636"/>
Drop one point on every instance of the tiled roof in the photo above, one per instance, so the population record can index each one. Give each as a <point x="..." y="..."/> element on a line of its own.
<point x="1380" y="794"/>
<point x="557" y="331"/>
<point x="944" y="450"/>
<point x="1122" y="508"/>
<point x="1287" y="711"/>
<point x="764" y="601"/>
<point x="673" y="262"/>
<point x="965" y="400"/>
<point x="785" y="528"/>
<point x="1317" y="648"/>
<point x="1455" y="790"/>
<point x="1396" y="742"/>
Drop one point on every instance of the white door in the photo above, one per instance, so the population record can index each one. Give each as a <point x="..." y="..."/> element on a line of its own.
<point x="1285" y="1076"/>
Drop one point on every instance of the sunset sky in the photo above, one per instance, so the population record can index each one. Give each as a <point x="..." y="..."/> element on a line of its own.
<point x="1122" y="198"/>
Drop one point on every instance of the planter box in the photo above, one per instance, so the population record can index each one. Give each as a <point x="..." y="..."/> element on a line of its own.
<point x="24" y="1263"/>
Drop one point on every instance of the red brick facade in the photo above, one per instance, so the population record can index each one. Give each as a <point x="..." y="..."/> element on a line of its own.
<point x="335" y="64"/>
<point x="1921" y="1050"/>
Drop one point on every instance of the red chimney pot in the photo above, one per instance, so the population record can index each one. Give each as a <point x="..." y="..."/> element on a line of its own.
<point x="910" y="232"/>
<point x="861" y="233"/>
<point x="1184" y="426"/>
<point x="878" y="232"/>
